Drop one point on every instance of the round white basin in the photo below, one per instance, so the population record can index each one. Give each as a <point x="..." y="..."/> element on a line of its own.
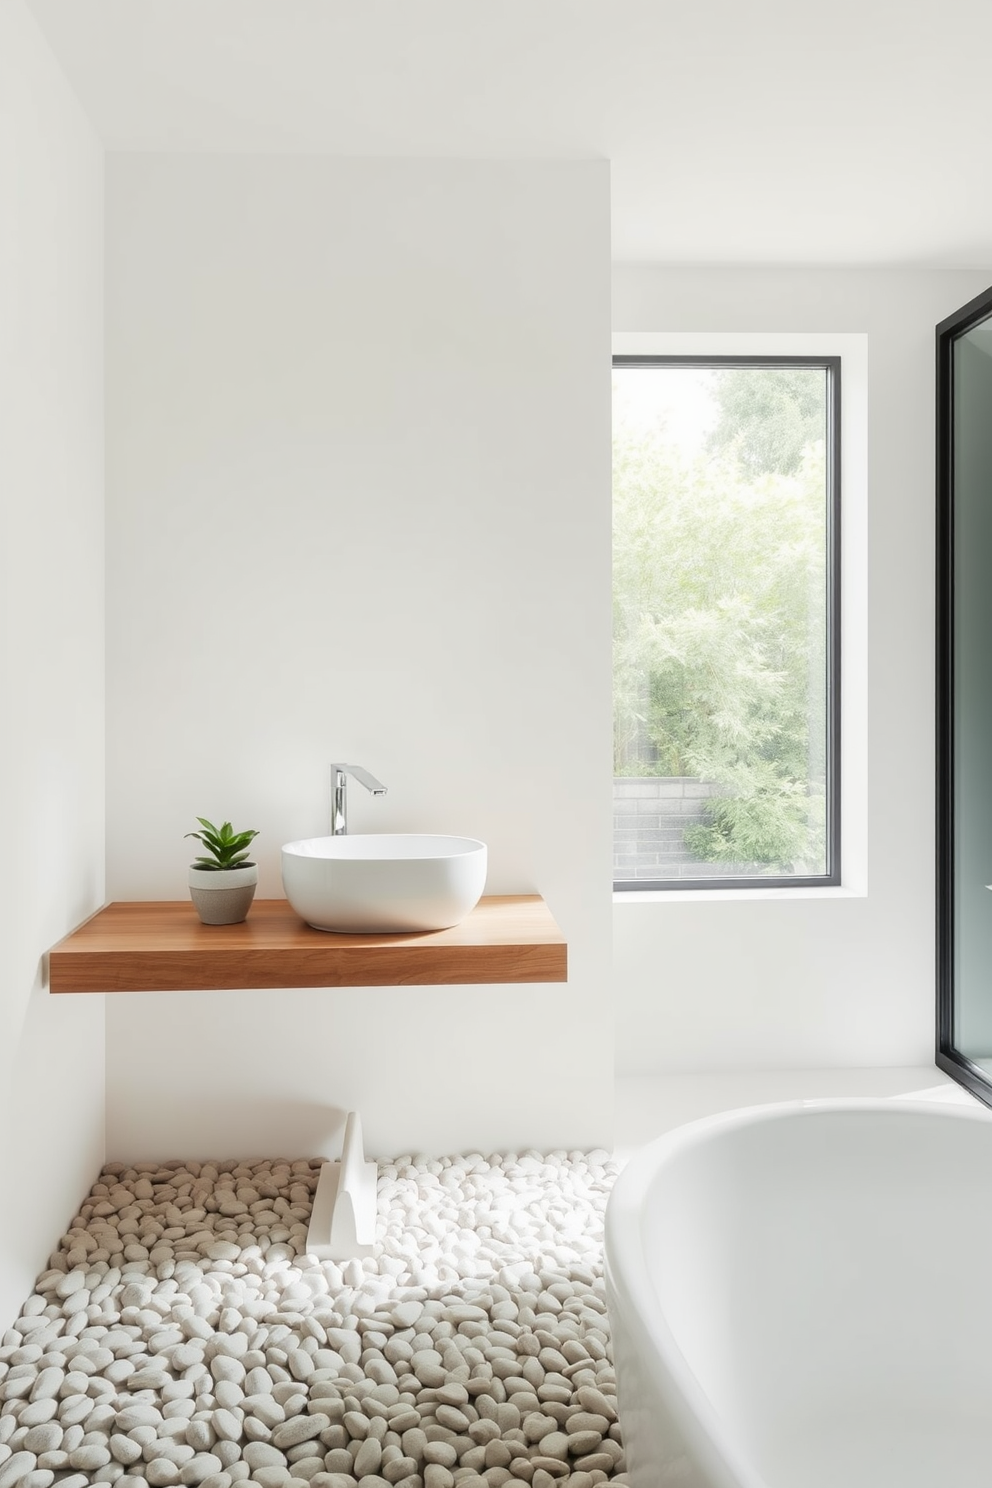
<point x="384" y="881"/>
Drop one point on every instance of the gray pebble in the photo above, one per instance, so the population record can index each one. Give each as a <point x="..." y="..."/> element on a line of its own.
<point x="442" y="1452"/>
<point x="594" y="1400"/>
<point x="368" y="1458"/>
<point x="451" y="1417"/>
<point x="581" y="1443"/>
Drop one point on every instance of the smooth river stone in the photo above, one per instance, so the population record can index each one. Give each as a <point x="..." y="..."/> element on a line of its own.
<point x="368" y="1458"/>
<point x="299" y="1429"/>
<point x="161" y="1473"/>
<point x="442" y="1452"/>
<point x="149" y="1378"/>
<point x="46" y="1437"/>
<point x="406" y="1314"/>
<point x="200" y="1435"/>
<point x="87" y="1458"/>
<point x="16" y="1467"/>
<point x="228" y="1394"/>
<point x="38" y="1411"/>
<point x="451" y="1417"/>
<point x="555" y="1444"/>
<point x="40" y="1478"/>
<point x="124" y="1449"/>
<point x="453" y="1395"/>
<point x="595" y="1401"/>
<point x="587" y="1421"/>
<point x="174" y="1451"/>
<point x="436" y="1476"/>
<point x="226" y="1424"/>
<point x="203" y="1465"/>
<point x="48" y="1384"/>
<point x="261" y="1454"/>
<point x="222" y="1250"/>
<point x="263" y="1408"/>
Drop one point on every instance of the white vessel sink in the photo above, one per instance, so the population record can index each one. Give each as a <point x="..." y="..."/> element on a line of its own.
<point x="381" y="882"/>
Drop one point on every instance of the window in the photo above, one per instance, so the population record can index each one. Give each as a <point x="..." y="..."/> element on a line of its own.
<point x="726" y="621"/>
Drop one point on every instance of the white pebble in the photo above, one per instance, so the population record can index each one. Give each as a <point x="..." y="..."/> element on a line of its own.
<point x="15" y="1467"/>
<point x="89" y="1456"/>
<point x="46" y="1437"/>
<point x="489" y="1272"/>
<point x="203" y="1465"/>
<point x="162" y="1473"/>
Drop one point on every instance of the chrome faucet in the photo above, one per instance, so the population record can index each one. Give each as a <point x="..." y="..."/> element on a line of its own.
<point x="339" y="793"/>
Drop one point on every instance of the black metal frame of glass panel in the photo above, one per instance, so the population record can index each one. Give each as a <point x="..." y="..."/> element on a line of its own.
<point x="948" y="1058"/>
<point x="831" y="365"/>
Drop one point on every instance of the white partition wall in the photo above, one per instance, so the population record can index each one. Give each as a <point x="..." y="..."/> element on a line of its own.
<point x="51" y="663"/>
<point x="359" y="509"/>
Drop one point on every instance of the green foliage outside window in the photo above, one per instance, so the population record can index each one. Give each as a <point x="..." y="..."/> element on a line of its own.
<point x="720" y="615"/>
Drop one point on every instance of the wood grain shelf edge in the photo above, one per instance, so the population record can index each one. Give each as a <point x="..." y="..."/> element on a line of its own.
<point x="160" y="946"/>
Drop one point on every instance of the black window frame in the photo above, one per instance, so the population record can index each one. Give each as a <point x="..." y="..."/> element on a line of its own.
<point x="831" y="365"/>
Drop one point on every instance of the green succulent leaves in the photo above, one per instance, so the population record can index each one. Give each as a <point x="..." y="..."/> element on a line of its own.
<point x="229" y="849"/>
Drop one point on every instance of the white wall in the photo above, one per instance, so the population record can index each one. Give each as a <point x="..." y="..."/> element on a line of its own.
<point x="359" y="509"/>
<point x="51" y="666"/>
<point x="750" y="982"/>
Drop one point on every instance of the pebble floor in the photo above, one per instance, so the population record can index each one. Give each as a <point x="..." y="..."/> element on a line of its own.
<point x="183" y="1335"/>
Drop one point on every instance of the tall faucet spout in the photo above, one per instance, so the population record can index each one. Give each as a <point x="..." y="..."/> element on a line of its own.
<point x="339" y="793"/>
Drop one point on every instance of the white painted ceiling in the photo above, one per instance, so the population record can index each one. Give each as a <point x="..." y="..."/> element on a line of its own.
<point x="738" y="131"/>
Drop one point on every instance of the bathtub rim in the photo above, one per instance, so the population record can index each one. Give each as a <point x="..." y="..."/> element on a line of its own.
<point x="635" y="1302"/>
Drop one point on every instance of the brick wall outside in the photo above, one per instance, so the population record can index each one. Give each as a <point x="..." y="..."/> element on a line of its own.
<point x="650" y="816"/>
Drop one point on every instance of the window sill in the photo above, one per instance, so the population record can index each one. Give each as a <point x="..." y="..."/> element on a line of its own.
<point x="736" y="896"/>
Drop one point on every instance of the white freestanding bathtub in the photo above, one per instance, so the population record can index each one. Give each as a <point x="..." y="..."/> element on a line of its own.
<point x="801" y="1297"/>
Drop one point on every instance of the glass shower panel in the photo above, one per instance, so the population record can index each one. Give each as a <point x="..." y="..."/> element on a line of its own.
<point x="971" y="604"/>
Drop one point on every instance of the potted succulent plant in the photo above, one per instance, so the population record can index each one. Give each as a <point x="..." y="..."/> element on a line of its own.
<point x="222" y="881"/>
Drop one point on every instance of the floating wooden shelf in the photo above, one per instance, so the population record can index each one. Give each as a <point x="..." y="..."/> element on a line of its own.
<point x="162" y="947"/>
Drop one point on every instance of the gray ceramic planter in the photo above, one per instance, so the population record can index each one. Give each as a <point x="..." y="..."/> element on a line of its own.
<point x="223" y="897"/>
